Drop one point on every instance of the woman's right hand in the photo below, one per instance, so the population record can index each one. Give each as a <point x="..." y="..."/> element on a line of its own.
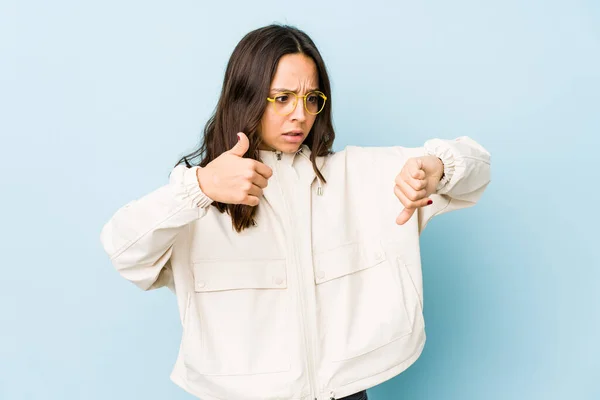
<point x="232" y="179"/>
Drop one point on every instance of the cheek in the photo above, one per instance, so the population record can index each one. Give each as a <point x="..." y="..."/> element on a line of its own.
<point x="270" y="124"/>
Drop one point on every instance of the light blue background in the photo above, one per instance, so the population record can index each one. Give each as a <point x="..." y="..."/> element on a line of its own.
<point x="99" y="99"/>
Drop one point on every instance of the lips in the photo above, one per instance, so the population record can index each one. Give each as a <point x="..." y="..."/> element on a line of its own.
<point x="292" y="134"/>
<point x="294" y="137"/>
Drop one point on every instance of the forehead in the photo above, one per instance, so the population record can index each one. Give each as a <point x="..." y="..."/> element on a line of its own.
<point x="295" y="71"/>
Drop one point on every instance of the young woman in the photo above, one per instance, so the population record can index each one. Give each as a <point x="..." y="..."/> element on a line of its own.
<point x="297" y="270"/>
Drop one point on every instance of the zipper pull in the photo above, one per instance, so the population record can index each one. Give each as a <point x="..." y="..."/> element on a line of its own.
<point x="331" y="396"/>
<point x="278" y="154"/>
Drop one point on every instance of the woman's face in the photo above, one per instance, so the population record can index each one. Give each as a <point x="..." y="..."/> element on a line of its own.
<point x="295" y="73"/>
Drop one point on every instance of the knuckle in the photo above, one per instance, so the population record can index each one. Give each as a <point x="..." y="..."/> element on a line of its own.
<point x="249" y="174"/>
<point x="413" y="196"/>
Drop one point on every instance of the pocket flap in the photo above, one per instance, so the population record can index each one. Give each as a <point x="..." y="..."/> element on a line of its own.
<point x="347" y="259"/>
<point x="215" y="275"/>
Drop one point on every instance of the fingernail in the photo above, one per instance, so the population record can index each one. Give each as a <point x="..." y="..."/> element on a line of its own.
<point x="238" y="137"/>
<point x="430" y="202"/>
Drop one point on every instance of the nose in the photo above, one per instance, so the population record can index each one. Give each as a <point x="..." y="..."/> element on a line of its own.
<point x="299" y="113"/>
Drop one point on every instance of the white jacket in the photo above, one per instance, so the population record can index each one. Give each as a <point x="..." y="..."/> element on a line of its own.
<point x="319" y="300"/>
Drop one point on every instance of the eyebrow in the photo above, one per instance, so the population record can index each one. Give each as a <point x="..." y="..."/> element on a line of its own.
<point x="291" y="90"/>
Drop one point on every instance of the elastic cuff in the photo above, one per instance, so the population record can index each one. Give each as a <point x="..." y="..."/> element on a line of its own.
<point x="192" y="189"/>
<point x="436" y="147"/>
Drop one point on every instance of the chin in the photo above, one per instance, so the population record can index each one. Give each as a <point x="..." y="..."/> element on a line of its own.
<point x="291" y="149"/>
<point x="288" y="147"/>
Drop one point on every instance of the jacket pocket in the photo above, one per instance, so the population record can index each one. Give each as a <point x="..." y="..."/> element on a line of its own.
<point x="238" y="318"/>
<point x="361" y="300"/>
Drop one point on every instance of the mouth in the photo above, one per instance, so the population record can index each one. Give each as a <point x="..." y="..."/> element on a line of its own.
<point x="294" y="137"/>
<point x="293" y="133"/>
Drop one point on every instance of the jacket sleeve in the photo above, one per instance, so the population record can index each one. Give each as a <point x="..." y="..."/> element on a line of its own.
<point x="139" y="237"/>
<point x="466" y="175"/>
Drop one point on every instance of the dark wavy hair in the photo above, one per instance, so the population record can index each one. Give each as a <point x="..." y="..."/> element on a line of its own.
<point x="242" y="102"/>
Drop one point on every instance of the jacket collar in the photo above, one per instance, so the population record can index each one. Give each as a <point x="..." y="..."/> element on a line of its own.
<point x="269" y="157"/>
<point x="299" y="161"/>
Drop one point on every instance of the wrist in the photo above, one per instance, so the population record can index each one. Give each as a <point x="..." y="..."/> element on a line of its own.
<point x="436" y="166"/>
<point x="201" y="177"/>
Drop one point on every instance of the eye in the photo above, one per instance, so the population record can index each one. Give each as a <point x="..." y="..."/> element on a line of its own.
<point x="312" y="98"/>
<point x="282" y="98"/>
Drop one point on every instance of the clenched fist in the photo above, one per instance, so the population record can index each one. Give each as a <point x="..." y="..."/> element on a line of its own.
<point x="415" y="183"/>
<point x="232" y="179"/>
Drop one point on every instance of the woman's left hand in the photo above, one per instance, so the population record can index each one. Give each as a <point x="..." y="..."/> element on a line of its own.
<point x="415" y="183"/>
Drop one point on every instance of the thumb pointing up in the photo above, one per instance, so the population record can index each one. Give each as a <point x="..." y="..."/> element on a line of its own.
<point x="241" y="146"/>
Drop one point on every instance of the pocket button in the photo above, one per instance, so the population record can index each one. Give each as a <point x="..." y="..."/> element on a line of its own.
<point x="200" y="284"/>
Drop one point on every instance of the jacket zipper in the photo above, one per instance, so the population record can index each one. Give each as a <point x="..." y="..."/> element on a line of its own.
<point x="309" y="353"/>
